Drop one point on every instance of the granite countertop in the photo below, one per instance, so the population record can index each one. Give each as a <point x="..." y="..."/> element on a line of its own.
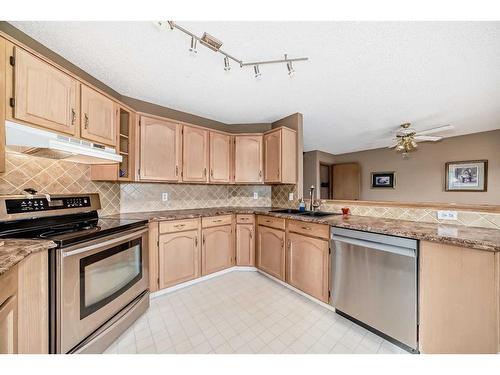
<point x="15" y="250"/>
<point x="459" y="235"/>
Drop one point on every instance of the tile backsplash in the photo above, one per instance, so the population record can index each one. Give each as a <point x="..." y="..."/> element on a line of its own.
<point x="56" y="177"/>
<point x="148" y="196"/>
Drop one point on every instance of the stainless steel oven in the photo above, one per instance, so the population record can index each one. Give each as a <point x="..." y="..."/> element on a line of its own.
<point x="100" y="283"/>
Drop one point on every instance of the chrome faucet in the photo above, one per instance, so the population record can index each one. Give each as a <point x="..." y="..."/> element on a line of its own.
<point x="311" y="196"/>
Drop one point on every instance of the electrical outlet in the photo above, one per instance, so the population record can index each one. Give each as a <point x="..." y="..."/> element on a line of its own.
<point x="164" y="197"/>
<point x="447" y="215"/>
<point x="290" y="196"/>
<point x="255" y="195"/>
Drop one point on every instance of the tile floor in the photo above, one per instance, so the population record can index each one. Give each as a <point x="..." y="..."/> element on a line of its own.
<point x="244" y="313"/>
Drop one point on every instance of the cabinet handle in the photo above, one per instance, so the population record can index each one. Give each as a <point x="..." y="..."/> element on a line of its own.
<point x="306" y="228"/>
<point x="251" y="234"/>
<point x="73" y="116"/>
<point x="86" y="124"/>
<point x="289" y="244"/>
<point x="196" y="241"/>
<point x="260" y="174"/>
<point x="203" y="239"/>
<point x="205" y="172"/>
<point x="176" y="170"/>
<point x="212" y="172"/>
<point x="282" y="243"/>
<point x="278" y="173"/>
<point x="179" y="225"/>
<point x="217" y="221"/>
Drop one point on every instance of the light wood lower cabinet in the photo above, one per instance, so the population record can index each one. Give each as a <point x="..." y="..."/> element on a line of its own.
<point x="271" y="251"/>
<point x="179" y="257"/>
<point x="8" y="312"/>
<point x="245" y="245"/>
<point x="307" y="265"/>
<point x="217" y="249"/>
<point x="459" y="299"/>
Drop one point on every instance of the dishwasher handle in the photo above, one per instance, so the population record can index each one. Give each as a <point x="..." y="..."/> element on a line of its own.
<point x="376" y="246"/>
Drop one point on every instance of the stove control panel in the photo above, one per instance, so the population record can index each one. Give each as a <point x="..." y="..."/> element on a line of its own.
<point x="16" y="206"/>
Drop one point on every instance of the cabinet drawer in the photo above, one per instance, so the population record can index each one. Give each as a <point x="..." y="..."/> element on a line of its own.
<point x="245" y="219"/>
<point x="179" y="225"/>
<point x="273" y="222"/>
<point x="309" y="229"/>
<point x="215" y="221"/>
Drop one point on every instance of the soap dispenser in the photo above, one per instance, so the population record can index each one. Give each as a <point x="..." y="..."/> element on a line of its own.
<point x="302" y="205"/>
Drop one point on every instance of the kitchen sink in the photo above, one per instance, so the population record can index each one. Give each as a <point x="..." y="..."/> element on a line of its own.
<point x="294" y="211"/>
<point x="318" y="213"/>
<point x="287" y="211"/>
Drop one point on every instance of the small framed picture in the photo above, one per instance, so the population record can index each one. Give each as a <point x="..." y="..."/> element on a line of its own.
<point x="383" y="180"/>
<point x="469" y="175"/>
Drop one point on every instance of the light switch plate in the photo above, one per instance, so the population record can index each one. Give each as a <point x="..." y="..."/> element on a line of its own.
<point x="447" y="215"/>
<point x="164" y="197"/>
<point x="290" y="196"/>
<point x="255" y="195"/>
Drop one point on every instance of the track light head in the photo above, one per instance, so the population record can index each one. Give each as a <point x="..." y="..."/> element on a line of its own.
<point x="227" y="67"/>
<point x="290" y="68"/>
<point x="194" y="45"/>
<point x="257" y="71"/>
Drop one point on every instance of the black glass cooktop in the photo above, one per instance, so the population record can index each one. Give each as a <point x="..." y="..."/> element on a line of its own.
<point x="67" y="230"/>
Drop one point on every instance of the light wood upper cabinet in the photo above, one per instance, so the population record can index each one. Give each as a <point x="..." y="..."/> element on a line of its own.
<point x="44" y="95"/>
<point x="220" y="157"/>
<point x="280" y="156"/>
<point x="179" y="257"/>
<point x="217" y="250"/>
<point x="98" y="118"/>
<point x="194" y="154"/>
<point x="248" y="159"/>
<point x="245" y="245"/>
<point x="271" y="251"/>
<point x="159" y="150"/>
<point x="307" y="265"/>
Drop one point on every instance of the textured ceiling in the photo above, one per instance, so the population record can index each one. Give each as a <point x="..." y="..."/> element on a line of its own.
<point x="362" y="79"/>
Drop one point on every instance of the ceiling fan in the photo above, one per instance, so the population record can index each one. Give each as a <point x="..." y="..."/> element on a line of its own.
<point x="407" y="138"/>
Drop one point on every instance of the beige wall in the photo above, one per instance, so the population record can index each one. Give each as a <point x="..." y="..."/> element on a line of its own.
<point x="312" y="160"/>
<point x="421" y="177"/>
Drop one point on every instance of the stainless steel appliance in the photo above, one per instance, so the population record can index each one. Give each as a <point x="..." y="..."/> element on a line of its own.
<point x="98" y="273"/>
<point x="374" y="283"/>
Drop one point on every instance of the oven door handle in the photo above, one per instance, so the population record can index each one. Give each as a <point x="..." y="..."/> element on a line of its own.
<point x="107" y="243"/>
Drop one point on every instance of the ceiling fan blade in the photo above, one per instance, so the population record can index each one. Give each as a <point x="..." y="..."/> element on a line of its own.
<point x="424" y="138"/>
<point x="436" y="130"/>
<point x="393" y="145"/>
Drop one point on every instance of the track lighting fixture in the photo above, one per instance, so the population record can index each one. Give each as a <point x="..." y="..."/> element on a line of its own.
<point x="257" y="71"/>
<point x="215" y="45"/>
<point x="194" y="45"/>
<point x="227" y="67"/>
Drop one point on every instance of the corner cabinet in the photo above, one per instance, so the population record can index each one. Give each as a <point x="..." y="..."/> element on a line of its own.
<point x="159" y="150"/>
<point x="248" y="159"/>
<point x="98" y="119"/>
<point x="280" y="156"/>
<point x="220" y="157"/>
<point x="271" y="251"/>
<point x="44" y="95"/>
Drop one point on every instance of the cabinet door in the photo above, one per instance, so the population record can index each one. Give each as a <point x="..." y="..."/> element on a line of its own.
<point x="218" y="251"/>
<point x="44" y="95"/>
<point x="8" y="326"/>
<point x="179" y="258"/>
<point x="248" y="159"/>
<point x="307" y="263"/>
<point x="271" y="252"/>
<point x="195" y="154"/>
<point x="159" y="150"/>
<point x="98" y="117"/>
<point x="272" y="157"/>
<point x="245" y="245"/>
<point x="220" y="157"/>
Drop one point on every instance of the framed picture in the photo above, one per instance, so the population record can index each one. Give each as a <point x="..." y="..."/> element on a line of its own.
<point x="469" y="175"/>
<point x="383" y="180"/>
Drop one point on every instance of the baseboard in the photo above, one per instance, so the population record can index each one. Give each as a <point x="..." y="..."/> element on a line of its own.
<point x="237" y="269"/>
<point x="201" y="279"/>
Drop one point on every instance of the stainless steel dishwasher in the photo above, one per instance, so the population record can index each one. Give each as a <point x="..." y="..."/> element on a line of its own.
<point x="374" y="283"/>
